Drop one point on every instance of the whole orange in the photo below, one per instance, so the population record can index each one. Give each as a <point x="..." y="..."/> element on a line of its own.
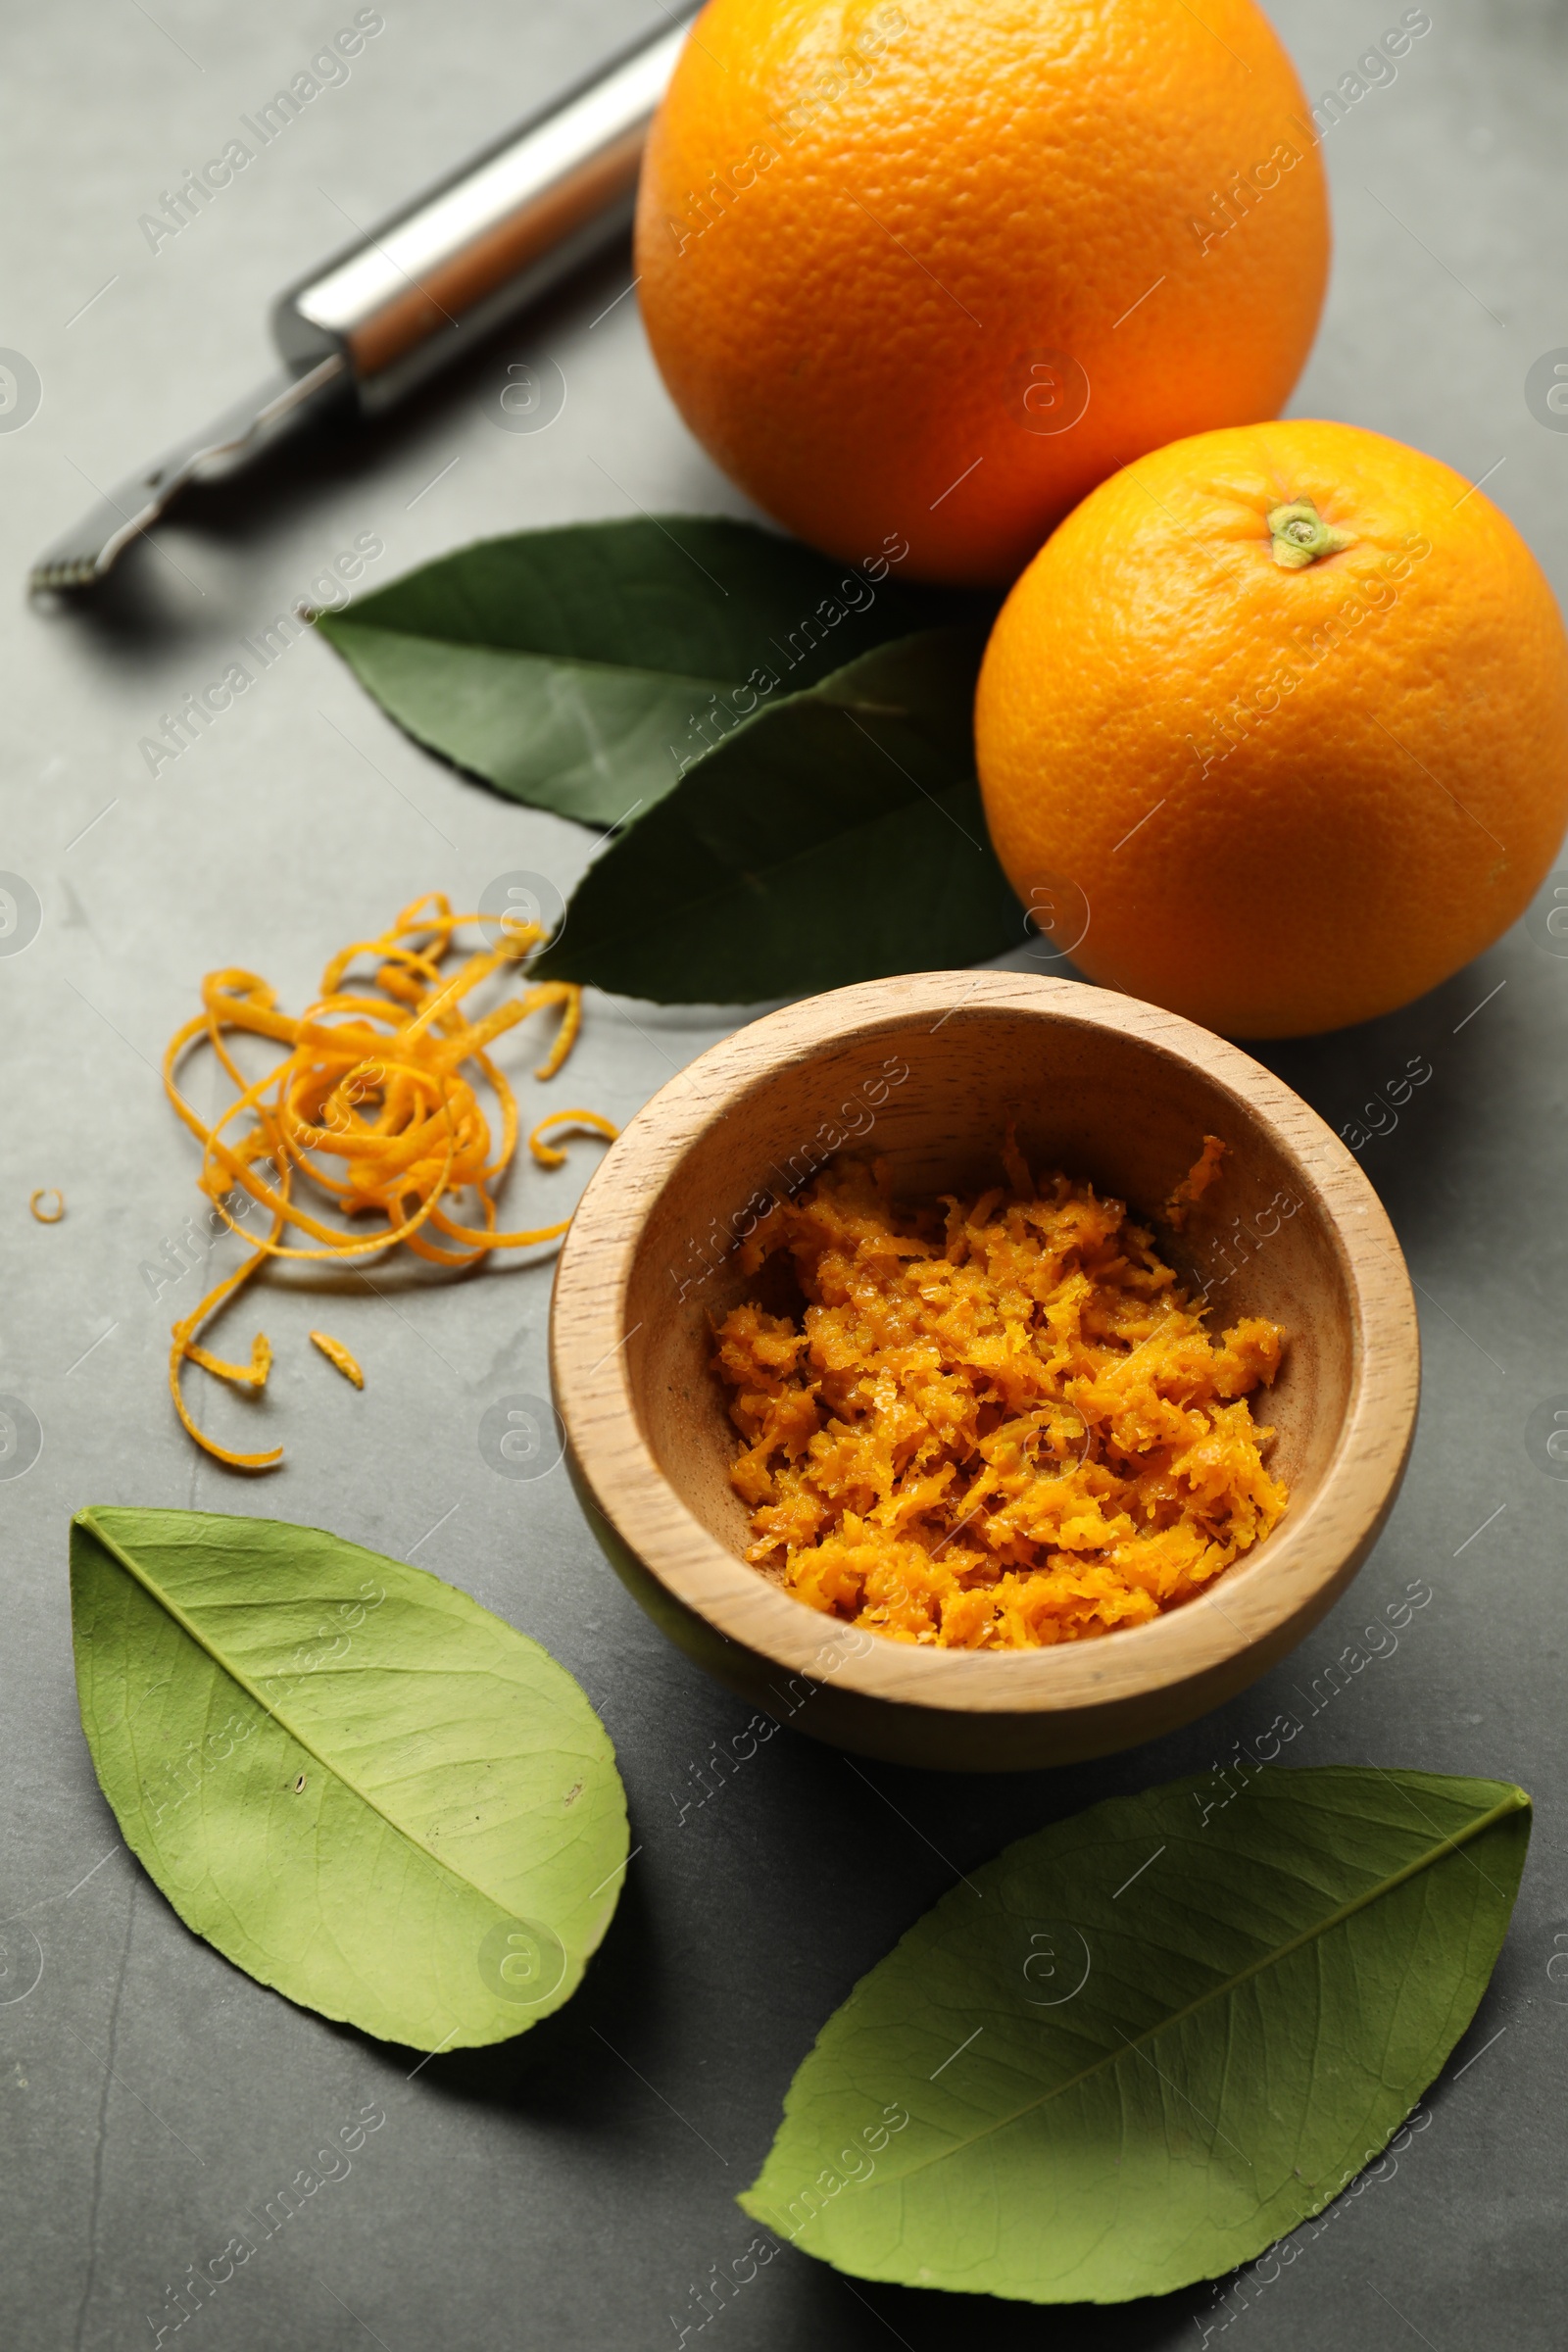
<point x="1280" y="714"/>
<point x="918" y="278"/>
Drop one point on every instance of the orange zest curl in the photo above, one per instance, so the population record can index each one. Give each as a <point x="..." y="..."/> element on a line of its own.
<point x="582" y="1122"/>
<point x="372" y="1085"/>
<point x="339" y="1356"/>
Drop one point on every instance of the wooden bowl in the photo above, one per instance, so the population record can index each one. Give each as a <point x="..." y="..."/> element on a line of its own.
<point x="927" y="1071"/>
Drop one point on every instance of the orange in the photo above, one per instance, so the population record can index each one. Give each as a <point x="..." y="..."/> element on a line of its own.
<point x="918" y="277"/>
<point x="1281" y="794"/>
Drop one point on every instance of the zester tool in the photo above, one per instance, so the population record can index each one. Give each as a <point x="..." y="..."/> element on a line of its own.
<point x="416" y="292"/>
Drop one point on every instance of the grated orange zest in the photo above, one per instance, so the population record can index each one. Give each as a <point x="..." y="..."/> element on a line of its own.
<point x="999" y="1422"/>
<point x="1204" y="1172"/>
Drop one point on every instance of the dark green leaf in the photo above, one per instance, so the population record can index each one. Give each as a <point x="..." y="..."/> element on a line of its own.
<point x="577" y="668"/>
<point x="1143" y="2044"/>
<point x="836" y="836"/>
<point x="362" y="1788"/>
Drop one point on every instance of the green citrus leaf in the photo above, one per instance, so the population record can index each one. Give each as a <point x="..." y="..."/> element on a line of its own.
<point x="1140" y="2046"/>
<point x="362" y="1788"/>
<point x="577" y="668"/>
<point x="836" y="836"/>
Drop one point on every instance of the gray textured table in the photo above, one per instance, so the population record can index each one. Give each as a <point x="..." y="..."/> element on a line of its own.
<point x="573" y="2189"/>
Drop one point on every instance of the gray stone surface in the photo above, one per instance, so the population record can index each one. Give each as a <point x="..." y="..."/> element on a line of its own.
<point x="569" y="2191"/>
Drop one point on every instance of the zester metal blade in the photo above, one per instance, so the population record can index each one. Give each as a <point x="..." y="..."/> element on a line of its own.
<point x="121" y="515"/>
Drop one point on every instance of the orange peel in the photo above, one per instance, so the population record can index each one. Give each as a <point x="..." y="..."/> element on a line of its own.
<point x="582" y="1122"/>
<point x="339" y="1356"/>
<point x="372" y="1077"/>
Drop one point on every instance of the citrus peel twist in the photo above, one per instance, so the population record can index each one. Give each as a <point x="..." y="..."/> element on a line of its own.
<point x="372" y="1078"/>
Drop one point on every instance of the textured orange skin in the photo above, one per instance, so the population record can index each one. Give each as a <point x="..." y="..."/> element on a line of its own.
<point x="1391" y="782"/>
<point x="850" y="326"/>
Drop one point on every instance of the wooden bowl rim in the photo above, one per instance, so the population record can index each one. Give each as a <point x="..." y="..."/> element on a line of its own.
<point x="1251" y="1602"/>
